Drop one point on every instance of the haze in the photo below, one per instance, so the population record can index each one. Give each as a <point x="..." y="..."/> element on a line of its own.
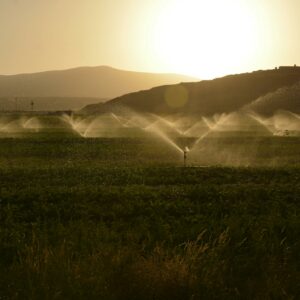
<point x="205" y="39"/>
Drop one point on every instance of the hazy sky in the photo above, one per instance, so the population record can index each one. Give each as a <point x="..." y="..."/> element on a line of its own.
<point x="204" y="38"/>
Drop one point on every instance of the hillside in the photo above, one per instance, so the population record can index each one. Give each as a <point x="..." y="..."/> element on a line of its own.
<point x="98" y="82"/>
<point x="286" y="98"/>
<point x="208" y="97"/>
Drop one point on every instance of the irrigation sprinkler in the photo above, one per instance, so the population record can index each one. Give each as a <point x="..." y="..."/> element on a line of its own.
<point x="185" y="152"/>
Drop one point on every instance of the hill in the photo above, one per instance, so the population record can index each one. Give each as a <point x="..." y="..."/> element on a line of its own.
<point x="286" y="98"/>
<point x="208" y="97"/>
<point x="84" y="82"/>
<point x="75" y="88"/>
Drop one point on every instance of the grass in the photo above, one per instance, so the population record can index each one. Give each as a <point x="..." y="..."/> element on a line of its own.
<point x="121" y="219"/>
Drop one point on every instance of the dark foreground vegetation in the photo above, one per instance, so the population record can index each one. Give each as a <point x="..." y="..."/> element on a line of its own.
<point x="121" y="219"/>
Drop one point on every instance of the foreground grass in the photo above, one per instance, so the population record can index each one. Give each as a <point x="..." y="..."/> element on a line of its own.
<point x="97" y="221"/>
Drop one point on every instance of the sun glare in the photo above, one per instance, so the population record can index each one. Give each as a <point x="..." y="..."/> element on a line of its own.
<point x="206" y="38"/>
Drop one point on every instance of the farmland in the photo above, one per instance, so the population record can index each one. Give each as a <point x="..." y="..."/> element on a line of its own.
<point x="122" y="219"/>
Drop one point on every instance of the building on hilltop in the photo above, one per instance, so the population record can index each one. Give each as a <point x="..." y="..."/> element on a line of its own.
<point x="289" y="68"/>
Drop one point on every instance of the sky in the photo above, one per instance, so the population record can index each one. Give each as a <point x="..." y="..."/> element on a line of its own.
<point x="201" y="38"/>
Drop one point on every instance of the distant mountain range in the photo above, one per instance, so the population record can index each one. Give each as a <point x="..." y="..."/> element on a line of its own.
<point x="54" y="90"/>
<point x="266" y="91"/>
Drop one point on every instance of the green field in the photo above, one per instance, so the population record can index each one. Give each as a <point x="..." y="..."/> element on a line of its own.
<point x="122" y="219"/>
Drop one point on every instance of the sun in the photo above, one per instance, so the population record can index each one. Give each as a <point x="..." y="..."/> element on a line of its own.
<point x="206" y="38"/>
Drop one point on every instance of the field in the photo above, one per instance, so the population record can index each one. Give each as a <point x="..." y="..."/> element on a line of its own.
<point x="122" y="219"/>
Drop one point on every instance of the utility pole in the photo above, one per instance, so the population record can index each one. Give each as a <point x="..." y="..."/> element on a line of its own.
<point x="32" y="105"/>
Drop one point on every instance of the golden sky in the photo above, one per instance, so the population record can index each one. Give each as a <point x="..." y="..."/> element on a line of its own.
<point x="202" y="38"/>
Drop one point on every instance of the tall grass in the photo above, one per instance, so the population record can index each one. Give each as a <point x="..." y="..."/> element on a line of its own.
<point x="77" y="224"/>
